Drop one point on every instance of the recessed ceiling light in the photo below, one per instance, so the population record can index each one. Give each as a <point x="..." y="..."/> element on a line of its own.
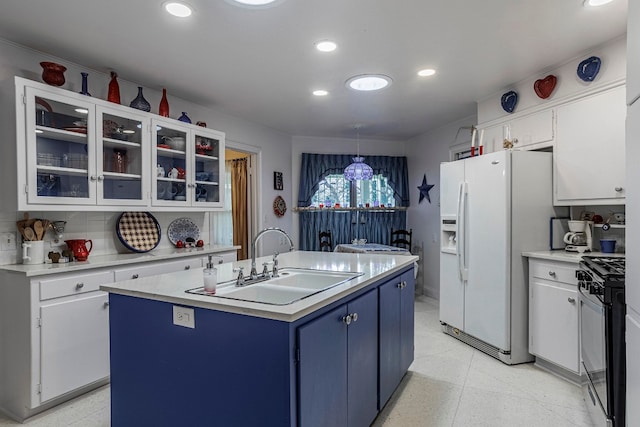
<point x="181" y="10"/>
<point x="426" y="72"/>
<point x="254" y="2"/>
<point x="369" y="82"/>
<point x="320" y="92"/>
<point x="326" y="46"/>
<point x="596" y="2"/>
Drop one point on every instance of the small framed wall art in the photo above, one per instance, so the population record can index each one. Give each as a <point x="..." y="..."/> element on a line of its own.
<point x="277" y="181"/>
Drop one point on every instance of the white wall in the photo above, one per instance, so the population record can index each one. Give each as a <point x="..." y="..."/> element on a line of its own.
<point x="425" y="153"/>
<point x="612" y="68"/>
<point x="274" y="150"/>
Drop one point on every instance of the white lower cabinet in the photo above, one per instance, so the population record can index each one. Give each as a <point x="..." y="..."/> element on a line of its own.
<point x="553" y="313"/>
<point x="54" y="332"/>
<point x="74" y="343"/>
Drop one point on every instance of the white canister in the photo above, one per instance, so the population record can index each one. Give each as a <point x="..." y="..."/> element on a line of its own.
<point x="33" y="252"/>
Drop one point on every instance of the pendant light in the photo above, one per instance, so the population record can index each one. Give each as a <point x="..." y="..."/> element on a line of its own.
<point x="358" y="170"/>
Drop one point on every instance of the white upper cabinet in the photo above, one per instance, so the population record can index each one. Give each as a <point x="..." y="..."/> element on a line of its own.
<point x="589" y="158"/>
<point x="75" y="150"/>
<point x="528" y="132"/>
<point x="188" y="165"/>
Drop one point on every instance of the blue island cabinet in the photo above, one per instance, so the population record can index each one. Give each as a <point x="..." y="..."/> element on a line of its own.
<point x="396" y="332"/>
<point x="243" y="370"/>
<point x="339" y="364"/>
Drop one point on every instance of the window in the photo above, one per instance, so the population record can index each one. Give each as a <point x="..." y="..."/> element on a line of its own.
<point x="336" y="189"/>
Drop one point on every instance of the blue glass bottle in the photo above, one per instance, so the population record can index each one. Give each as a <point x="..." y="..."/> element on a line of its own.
<point x="140" y="103"/>
<point x="184" y="118"/>
<point x="85" y="90"/>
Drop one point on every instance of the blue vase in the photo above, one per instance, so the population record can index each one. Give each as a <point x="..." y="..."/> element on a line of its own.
<point x="140" y="103"/>
<point x="84" y="85"/>
<point x="184" y="118"/>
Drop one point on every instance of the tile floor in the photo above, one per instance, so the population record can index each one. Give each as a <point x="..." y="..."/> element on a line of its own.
<point x="449" y="384"/>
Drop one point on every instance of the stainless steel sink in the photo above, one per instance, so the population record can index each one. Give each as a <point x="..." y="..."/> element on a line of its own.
<point x="293" y="284"/>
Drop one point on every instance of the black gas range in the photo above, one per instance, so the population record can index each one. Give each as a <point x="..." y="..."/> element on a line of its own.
<point x="602" y="330"/>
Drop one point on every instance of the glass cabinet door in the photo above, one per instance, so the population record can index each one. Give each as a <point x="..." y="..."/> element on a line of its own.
<point x="122" y="157"/>
<point x="172" y="164"/>
<point x="60" y="148"/>
<point x="208" y="174"/>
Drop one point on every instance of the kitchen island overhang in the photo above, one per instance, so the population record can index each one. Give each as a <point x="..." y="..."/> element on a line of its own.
<point x="238" y="364"/>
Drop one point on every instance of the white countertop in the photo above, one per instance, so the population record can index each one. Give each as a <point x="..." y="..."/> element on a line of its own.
<point x="171" y="287"/>
<point x="98" y="261"/>
<point x="562" y="255"/>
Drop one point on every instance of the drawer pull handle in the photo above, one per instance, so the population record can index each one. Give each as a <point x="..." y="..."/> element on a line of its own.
<point x="552" y="273"/>
<point x="618" y="189"/>
<point x="79" y="286"/>
<point x="187" y="267"/>
<point x="135" y="276"/>
<point x="571" y="300"/>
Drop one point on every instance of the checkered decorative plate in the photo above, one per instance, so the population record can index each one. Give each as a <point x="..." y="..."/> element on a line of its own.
<point x="138" y="231"/>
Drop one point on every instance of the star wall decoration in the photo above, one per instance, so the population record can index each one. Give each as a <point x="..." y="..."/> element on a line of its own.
<point x="424" y="189"/>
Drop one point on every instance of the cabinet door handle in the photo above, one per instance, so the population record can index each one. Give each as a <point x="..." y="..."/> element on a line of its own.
<point x="135" y="276"/>
<point x="187" y="267"/>
<point x="347" y="319"/>
<point x="354" y="317"/>
<point x="552" y="273"/>
<point x="618" y="189"/>
<point x="100" y="178"/>
<point x="93" y="178"/>
<point x="571" y="300"/>
<point x="79" y="286"/>
<point x="399" y="285"/>
<point x="106" y="304"/>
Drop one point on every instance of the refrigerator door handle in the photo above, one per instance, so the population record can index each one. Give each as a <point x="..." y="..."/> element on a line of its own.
<point x="463" y="218"/>
<point x="460" y="232"/>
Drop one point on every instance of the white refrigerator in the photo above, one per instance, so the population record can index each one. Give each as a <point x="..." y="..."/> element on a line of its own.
<point x="493" y="207"/>
<point x="632" y="232"/>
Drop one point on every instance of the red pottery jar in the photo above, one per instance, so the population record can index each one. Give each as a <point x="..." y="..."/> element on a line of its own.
<point x="53" y="73"/>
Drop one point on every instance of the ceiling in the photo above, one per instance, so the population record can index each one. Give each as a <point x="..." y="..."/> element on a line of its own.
<point x="261" y="65"/>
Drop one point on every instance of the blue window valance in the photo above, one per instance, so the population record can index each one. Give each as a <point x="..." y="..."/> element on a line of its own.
<point x="315" y="167"/>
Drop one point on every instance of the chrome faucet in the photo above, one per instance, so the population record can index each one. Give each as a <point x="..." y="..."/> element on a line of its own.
<point x="254" y="273"/>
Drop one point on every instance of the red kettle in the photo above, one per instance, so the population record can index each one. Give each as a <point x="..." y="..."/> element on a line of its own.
<point x="79" y="248"/>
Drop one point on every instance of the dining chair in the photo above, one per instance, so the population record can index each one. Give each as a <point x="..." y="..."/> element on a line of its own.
<point x="325" y="241"/>
<point x="401" y="238"/>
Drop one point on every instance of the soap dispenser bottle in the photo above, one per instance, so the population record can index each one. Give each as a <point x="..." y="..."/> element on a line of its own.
<point x="210" y="277"/>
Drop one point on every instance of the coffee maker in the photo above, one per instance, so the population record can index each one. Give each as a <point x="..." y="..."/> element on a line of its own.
<point x="579" y="237"/>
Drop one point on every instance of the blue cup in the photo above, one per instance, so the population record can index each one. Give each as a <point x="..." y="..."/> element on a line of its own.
<point x="608" y="246"/>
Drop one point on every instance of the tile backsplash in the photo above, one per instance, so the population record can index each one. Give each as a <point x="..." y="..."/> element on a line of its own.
<point x="99" y="227"/>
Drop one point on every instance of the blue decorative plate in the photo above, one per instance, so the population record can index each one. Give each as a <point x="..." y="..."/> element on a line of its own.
<point x="509" y="101"/>
<point x="589" y="68"/>
<point x="138" y="231"/>
<point x="182" y="229"/>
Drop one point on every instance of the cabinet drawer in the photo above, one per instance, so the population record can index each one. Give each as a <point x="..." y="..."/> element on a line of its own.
<point x="157" y="268"/>
<point x="554" y="272"/>
<point x="73" y="284"/>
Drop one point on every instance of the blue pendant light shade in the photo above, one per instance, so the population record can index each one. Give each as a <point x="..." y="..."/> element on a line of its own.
<point x="358" y="170"/>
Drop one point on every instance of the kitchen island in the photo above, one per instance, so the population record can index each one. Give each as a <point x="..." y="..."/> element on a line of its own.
<point x="332" y="358"/>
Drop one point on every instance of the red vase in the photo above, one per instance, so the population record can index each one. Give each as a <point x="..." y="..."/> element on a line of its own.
<point x="53" y="73"/>
<point x="113" y="95"/>
<point x="163" y="110"/>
